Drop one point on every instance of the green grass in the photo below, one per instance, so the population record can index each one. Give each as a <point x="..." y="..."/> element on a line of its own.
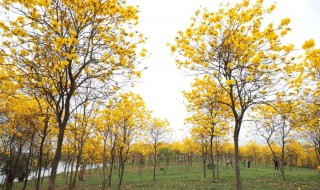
<point x="176" y="178"/>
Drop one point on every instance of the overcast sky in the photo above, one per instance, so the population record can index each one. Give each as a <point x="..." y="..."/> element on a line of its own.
<point x="162" y="83"/>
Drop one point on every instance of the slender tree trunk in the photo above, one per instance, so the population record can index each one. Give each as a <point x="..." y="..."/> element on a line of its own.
<point x="12" y="168"/>
<point x="56" y="159"/>
<point x="282" y="160"/>
<point x="79" y="156"/>
<point x="62" y="126"/>
<point x="110" y="172"/>
<point x="71" y="173"/>
<point x="236" y="155"/>
<point x="104" y="166"/>
<point x="28" y="163"/>
<point x="39" y="164"/>
<point x="217" y="165"/>
<point x="121" y="173"/>
<point x="212" y="158"/>
<point x="82" y="172"/>
<point x="155" y="163"/>
<point x="317" y="150"/>
<point x="74" y="180"/>
<point x="40" y="159"/>
<point x="68" y="168"/>
<point x="204" y="162"/>
<point x="113" y="154"/>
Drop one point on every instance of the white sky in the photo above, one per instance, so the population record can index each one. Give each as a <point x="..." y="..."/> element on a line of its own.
<point x="162" y="83"/>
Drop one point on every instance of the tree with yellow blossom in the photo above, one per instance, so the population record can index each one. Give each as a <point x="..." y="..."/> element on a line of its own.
<point x="277" y="122"/>
<point x="57" y="49"/>
<point x="158" y="131"/>
<point x="311" y="94"/>
<point x="240" y="52"/>
<point x="131" y="118"/>
<point x="207" y="115"/>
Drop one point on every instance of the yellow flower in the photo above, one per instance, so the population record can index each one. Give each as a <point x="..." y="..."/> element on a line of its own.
<point x="308" y="44"/>
<point x="249" y="78"/>
<point x="138" y="73"/>
<point x="142" y="54"/>
<point x="288" y="48"/>
<point x="24" y="52"/>
<point x="299" y="78"/>
<point x="173" y="48"/>
<point x="215" y="73"/>
<point x="256" y="59"/>
<point x="285" y="21"/>
<point x="230" y="82"/>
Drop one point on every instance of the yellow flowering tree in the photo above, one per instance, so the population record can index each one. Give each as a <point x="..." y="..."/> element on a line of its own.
<point x="106" y="129"/>
<point x="57" y="49"/>
<point x="311" y="94"/>
<point x="158" y="131"/>
<point x="207" y="115"/>
<point x="240" y="52"/>
<point x="131" y="117"/>
<point x="19" y="120"/>
<point x="277" y="122"/>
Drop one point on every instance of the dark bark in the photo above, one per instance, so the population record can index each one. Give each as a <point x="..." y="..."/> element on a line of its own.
<point x="282" y="160"/>
<point x="122" y="162"/>
<point x="29" y="159"/>
<point x="56" y="159"/>
<point x="212" y="158"/>
<point x="104" y="165"/>
<point x="113" y="154"/>
<point x="78" y="161"/>
<point x="236" y="154"/>
<point x="40" y="159"/>
<point x="155" y="162"/>
<point x="13" y="163"/>
<point x="204" y="161"/>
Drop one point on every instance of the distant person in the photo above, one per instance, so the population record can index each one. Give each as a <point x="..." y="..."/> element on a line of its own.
<point x="276" y="164"/>
<point x="249" y="163"/>
<point x="244" y="163"/>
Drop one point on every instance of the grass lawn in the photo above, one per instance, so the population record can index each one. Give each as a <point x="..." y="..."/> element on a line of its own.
<point x="176" y="178"/>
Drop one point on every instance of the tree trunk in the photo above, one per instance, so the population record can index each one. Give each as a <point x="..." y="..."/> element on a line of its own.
<point x="78" y="162"/>
<point x="212" y="158"/>
<point x="282" y="160"/>
<point x="121" y="173"/>
<point x="68" y="168"/>
<point x="40" y="159"/>
<point x="204" y="162"/>
<point x="104" y="166"/>
<point x="155" y="163"/>
<point x="317" y="150"/>
<point x="71" y="173"/>
<point x="236" y="154"/>
<point x="217" y="165"/>
<point x="82" y="172"/>
<point x="113" y="154"/>
<point x="12" y="167"/>
<point x="56" y="159"/>
<point x="28" y="163"/>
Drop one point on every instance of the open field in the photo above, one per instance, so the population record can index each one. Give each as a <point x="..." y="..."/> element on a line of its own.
<point x="176" y="178"/>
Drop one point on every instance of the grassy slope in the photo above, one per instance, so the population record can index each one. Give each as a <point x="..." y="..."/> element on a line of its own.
<point x="176" y="177"/>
